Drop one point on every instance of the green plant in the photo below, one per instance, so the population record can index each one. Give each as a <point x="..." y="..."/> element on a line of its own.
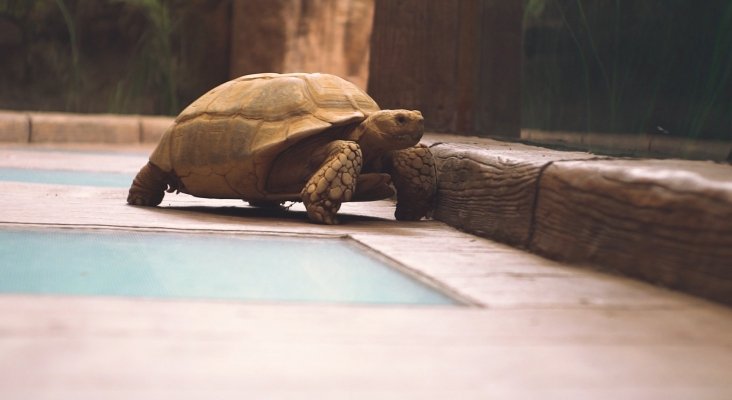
<point x="629" y="66"/>
<point x="716" y="76"/>
<point x="154" y="66"/>
<point x="72" y="100"/>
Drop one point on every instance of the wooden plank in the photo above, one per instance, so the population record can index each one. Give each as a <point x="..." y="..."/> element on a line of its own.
<point x="667" y="222"/>
<point x="458" y="62"/>
<point x="498" y="78"/>
<point x="413" y="58"/>
<point x="257" y="44"/>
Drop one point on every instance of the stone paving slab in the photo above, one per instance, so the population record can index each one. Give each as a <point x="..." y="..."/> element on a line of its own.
<point x="536" y="328"/>
<point x="81" y="348"/>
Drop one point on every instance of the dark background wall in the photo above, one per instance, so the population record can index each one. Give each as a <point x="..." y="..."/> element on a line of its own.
<point x="156" y="56"/>
<point x="629" y="66"/>
<point x="459" y="62"/>
<point x="135" y="56"/>
<point x="486" y="67"/>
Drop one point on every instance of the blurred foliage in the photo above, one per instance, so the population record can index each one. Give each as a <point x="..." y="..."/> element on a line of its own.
<point x="155" y="64"/>
<point x="127" y="56"/>
<point x="629" y="66"/>
<point x="75" y="84"/>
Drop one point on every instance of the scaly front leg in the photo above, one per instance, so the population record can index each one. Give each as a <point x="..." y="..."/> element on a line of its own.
<point x="415" y="178"/>
<point x="333" y="183"/>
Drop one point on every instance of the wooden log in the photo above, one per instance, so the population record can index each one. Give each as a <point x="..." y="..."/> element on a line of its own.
<point x="668" y="222"/>
<point x="491" y="192"/>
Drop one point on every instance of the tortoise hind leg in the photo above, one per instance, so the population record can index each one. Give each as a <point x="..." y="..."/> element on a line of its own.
<point x="333" y="183"/>
<point x="148" y="187"/>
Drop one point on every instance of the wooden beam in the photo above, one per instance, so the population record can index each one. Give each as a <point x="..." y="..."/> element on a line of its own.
<point x="459" y="62"/>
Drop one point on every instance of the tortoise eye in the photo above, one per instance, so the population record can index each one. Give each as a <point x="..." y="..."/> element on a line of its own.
<point x="401" y="119"/>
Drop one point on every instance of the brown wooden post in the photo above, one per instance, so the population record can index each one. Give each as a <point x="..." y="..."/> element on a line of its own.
<point x="459" y="62"/>
<point x="258" y="37"/>
<point x="330" y="36"/>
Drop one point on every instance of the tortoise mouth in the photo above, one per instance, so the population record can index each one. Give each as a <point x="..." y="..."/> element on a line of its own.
<point x="411" y="137"/>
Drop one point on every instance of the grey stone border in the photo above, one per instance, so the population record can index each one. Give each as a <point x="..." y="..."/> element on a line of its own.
<point x="638" y="145"/>
<point x="51" y="127"/>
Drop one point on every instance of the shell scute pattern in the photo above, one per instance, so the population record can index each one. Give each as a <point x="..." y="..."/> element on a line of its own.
<point x="233" y="133"/>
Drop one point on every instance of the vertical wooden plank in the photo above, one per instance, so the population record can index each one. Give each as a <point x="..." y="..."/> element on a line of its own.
<point x="413" y="57"/>
<point x="258" y="37"/>
<point x="498" y="106"/>
<point x="467" y="64"/>
<point x="459" y="62"/>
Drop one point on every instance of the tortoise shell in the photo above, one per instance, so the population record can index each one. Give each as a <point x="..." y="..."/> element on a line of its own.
<point x="224" y="143"/>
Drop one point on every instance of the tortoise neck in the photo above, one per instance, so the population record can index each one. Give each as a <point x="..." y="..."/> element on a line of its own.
<point x="366" y="137"/>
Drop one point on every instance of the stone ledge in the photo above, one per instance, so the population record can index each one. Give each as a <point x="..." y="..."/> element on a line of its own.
<point x="49" y="127"/>
<point x="664" y="221"/>
<point x="14" y="127"/>
<point x="637" y="145"/>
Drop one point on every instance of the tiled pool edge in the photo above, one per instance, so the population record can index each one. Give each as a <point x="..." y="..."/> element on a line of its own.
<point x="462" y="299"/>
<point x="668" y="222"/>
<point x="459" y="299"/>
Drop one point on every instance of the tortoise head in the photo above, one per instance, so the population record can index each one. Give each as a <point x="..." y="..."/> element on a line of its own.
<point x="392" y="129"/>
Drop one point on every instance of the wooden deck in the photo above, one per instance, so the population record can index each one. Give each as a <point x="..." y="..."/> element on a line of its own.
<point x="534" y="328"/>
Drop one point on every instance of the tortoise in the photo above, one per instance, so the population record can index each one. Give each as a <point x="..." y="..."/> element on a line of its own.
<point x="274" y="138"/>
